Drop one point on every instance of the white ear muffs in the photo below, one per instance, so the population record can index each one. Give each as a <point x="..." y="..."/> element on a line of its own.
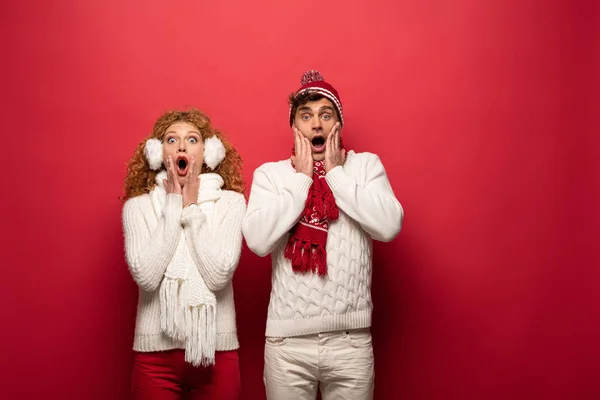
<point x="214" y="152"/>
<point x="154" y="153"/>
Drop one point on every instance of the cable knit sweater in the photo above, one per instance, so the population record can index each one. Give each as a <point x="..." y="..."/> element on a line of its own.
<point x="213" y="236"/>
<point x="304" y="304"/>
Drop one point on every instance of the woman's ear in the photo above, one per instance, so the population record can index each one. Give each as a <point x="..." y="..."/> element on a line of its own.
<point x="214" y="152"/>
<point x="154" y="153"/>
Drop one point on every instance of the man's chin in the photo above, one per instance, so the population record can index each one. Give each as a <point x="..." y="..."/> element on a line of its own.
<point x="318" y="156"/>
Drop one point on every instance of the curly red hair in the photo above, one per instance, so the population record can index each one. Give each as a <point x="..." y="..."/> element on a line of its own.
<point x="140" y="178"/>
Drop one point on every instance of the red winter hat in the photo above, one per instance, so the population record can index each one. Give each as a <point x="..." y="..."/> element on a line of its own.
<point x="313" y="80"/>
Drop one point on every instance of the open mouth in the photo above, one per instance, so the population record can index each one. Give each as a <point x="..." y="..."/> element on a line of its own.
<point x="182" y="165"/>
<point x="318" y="143"/>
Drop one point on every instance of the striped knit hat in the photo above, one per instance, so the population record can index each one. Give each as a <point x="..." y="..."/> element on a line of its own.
<point x="313" y="81"/>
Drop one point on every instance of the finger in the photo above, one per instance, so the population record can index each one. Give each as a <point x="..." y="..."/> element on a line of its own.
<point x="300" y="141"/>
<point x="165" y="183"/>
<point x="169" y="168"/>
<point x="343" y="154"/>
<point x="337" y="136"/>
<point x="198" y="168"/>
<point x="305" y="146"/>
<point x="333" y="129"/>
<point x="191" y="170"/>
<point x="307" y="149"/>
<point x="329" y="143"/>
<point x="296" y="140"/>
<point x="171" y="172"/>
<point x="299" y="145"/>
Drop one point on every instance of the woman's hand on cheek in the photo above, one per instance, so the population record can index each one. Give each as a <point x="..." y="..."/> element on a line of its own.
<point x="192" y="183"/>
<point x="172" y="185"/>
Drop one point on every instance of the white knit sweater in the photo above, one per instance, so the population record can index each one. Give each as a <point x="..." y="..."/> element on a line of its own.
<point x="303" y="304"/>
<point x="214" y="240"/>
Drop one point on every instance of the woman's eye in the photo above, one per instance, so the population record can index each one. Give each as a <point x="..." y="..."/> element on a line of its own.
<point x="171" y="140"/>
<point x="193" y="140"/>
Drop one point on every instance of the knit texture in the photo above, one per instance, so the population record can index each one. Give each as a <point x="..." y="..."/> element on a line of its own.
<point x="303" y="304"/>
<point x="157" y="229"/>
<point x="187" y="305"/>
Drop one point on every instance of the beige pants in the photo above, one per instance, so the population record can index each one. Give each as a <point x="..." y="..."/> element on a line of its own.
<point x="340" y="363"/>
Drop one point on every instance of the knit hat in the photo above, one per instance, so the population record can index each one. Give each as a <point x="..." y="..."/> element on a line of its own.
<point x="313" y="80"/>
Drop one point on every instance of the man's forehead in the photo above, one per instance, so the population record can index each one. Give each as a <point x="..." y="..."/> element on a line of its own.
<point x="318" y="104"/>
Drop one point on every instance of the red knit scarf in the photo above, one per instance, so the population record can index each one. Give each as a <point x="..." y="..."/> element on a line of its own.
<point x="306" y="245"/>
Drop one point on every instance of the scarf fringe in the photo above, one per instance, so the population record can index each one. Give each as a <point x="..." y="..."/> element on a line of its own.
<point x="196" y="325"/>
<point x="319" y="260"/>
<point x="306" y="256"/>
<point x="201" y="344"/>
<point x="172" y="317"/>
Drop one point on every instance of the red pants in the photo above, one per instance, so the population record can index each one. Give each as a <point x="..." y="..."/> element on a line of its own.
<point x="165" y="375"/>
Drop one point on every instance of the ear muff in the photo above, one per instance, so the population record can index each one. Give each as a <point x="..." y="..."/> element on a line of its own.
<point x="214" y="152"/>
<point x="154" y="153"/>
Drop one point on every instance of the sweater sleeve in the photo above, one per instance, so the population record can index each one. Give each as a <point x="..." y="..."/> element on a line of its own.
<point x="272" y="210"/>
<point x="216" y="245"/>
<point x="372" y="204"/>
<point x="149" y="252"/>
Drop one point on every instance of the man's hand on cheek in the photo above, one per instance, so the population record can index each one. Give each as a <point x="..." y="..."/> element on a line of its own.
<point x="302" y="159"/>
<point x="334" y="155"/>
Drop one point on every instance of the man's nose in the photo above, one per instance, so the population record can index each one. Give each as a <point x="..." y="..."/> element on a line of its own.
<point x="316" y="123"/>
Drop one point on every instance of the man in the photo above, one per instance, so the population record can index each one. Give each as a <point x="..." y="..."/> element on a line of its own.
<point x="316" y="214"/>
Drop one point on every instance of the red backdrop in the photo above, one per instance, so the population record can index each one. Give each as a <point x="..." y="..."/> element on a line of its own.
<point x="482" y="113"/>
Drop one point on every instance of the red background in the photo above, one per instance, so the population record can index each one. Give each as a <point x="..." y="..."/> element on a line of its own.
<point x="483" y="114"/>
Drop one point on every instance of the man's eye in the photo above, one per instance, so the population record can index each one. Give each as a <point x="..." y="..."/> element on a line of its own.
<point x="305" y="117"/>
<point x="326" y="116"/>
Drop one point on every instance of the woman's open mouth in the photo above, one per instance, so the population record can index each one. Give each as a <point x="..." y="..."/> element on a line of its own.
<point x="182" y="165"/>
<point x="318" y="144"/>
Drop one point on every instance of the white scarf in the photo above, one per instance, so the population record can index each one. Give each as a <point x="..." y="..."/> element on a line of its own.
<point x="187" y="305"/>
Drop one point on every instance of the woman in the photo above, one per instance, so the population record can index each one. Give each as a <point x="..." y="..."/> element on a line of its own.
<point x="182" y="222"/>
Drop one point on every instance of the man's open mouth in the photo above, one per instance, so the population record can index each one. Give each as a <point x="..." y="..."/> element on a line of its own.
<point x="318" y="143"/>
<point x="182" y="165"/>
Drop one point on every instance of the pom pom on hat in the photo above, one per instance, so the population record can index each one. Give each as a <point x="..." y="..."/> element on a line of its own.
<point x="311" y="76"/>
